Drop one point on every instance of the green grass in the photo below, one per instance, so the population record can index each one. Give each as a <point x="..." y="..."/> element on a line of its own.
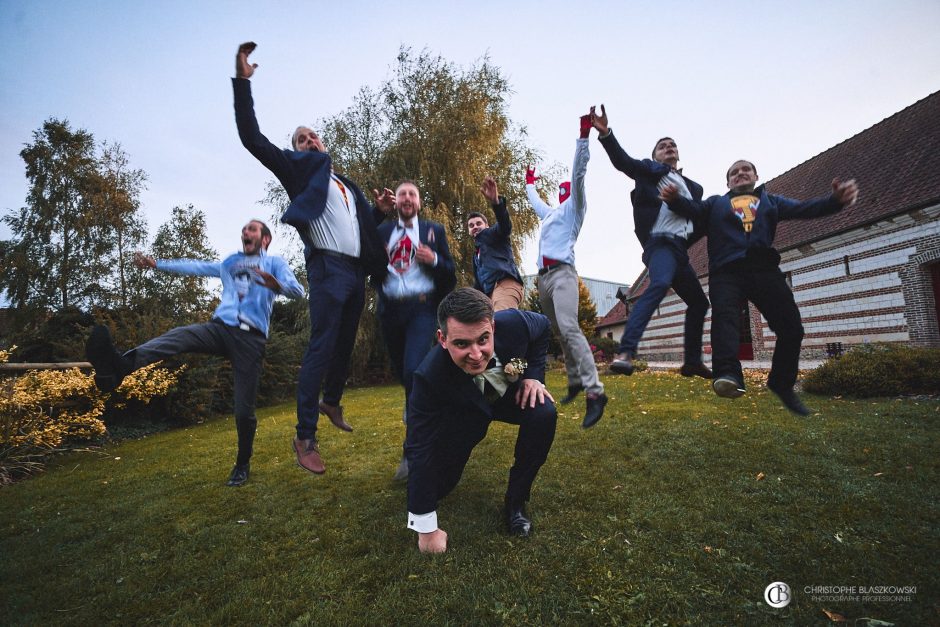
<point x="656" y="516"/>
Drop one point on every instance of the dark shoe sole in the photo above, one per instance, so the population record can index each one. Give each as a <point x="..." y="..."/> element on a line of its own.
<point x="622" y="367"/>
<point x="727" y="388"/>
<point x="698" y="370"/>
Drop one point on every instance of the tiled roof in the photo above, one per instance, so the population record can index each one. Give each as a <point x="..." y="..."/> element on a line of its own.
<point x="616" y="315"/>
<point x="896" y="163"/>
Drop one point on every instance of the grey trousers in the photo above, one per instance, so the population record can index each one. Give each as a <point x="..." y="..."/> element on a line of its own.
<point x="558" y="295"/>
<point x="244" y="349"/>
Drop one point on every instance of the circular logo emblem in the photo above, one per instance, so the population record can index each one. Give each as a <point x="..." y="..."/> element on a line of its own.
<point x="777" y="594"/>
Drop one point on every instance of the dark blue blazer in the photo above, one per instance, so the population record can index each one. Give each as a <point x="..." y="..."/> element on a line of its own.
<point x="434" y="236"/>
<point x="306" y="179"/>
<point x="646" y="173"/>
<point x="495" y="252"/>
<point x="446" y="408"/>
<point x="727" y="239"/>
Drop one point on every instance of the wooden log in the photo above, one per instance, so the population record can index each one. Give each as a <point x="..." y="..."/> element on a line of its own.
<point x="23" y="367"/>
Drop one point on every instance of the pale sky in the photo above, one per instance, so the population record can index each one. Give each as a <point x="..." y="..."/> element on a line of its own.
<point x="772" y="82"/>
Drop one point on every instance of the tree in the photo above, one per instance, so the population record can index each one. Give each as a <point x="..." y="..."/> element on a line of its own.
<point x="446" y="128"/>
<point x="587" y="311"/>
<point x="182" y="237"/>
<point x="117" y="196"/>
<point x="47" y="263"/>
<point x="81" y="216"/>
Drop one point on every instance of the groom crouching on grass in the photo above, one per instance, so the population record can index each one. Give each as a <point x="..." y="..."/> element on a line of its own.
<point x="488" y="367"/>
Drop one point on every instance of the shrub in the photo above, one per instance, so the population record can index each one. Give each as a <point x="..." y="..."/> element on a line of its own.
<point x="604" y="348"/>
<point x="44" y="410"/>
<point x="878" y="370"/>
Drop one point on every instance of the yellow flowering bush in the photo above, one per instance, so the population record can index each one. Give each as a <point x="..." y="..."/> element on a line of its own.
<point x="42" y="409"/>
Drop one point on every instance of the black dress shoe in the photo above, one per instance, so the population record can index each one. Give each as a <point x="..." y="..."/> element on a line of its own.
<point x="695" y="370"/>
<point x="595" y="409"/>
<point x="517" y="521"/>
<point x="622" y="364"/>
<point x="792" y="402"/>
<point x="573" y="391"/>
<point x="110" y="366"/>
<point x="239" y="476"/>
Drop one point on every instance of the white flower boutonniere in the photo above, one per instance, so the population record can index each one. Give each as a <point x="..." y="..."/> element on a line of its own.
<point x="515" y="368"/>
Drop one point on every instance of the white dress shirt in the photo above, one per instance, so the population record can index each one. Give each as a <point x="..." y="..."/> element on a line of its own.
<point x="561" y="225"/>
<point x="337" y="228"/>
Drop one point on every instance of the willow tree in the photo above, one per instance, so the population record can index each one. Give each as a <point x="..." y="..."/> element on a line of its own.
<point x="445" y="127"/>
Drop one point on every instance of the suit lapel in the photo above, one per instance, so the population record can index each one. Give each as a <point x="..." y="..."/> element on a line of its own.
<point x="462" y="384"/>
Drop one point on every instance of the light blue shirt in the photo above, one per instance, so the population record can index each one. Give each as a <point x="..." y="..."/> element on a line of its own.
<point x="243" y="299"/>
<point x="561" y="225"/>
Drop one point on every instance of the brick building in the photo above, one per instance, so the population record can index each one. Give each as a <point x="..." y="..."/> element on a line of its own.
<point x="867" y="274"/>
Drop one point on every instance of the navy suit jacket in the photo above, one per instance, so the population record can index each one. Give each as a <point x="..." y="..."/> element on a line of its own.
<point x="646" y="173"/>
<point x="306" y="179"/>
<point x="446" y="408"/>
<point x="495" y="252"/>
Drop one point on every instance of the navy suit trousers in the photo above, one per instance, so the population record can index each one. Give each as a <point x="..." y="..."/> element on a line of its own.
<point x="337" y="296"/>
<point x="668" y="262"/>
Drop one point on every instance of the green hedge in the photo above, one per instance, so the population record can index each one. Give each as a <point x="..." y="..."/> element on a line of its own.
<point x="878" y="370"/>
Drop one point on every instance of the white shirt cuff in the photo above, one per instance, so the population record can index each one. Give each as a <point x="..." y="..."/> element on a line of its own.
<point x="422" y="523"/>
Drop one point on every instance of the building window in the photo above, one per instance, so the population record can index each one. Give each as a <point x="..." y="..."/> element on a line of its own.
<point x="789" y="279"/>
<point x="845" y="261"/>
<point x="610" y="335"/>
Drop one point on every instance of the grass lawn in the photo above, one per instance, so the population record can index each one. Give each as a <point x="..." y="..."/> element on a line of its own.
<point x="678" y="508"/>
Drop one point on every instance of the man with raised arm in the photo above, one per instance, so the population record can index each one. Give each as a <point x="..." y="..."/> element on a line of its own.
<point x="665" y="237"/>
<point x="488" y="367"/>
<point x="341" y="245"/>
<point x="238" y="330"/>
<point x="494" y="268"/>
<point x="743" y="264"/>
<point x="558" y="278"/>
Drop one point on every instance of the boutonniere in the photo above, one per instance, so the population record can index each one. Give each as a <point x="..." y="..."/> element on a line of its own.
<point x="515" y="368"/>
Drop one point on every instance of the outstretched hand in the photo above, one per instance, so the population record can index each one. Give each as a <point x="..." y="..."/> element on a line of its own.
<point x="846" y="193"/>
<point x="490" y="190"/>
<point x="530" y="177"/>
<point x="385" y="200"/>
<point x="243" y="69"/>
<point x="144" y="261"/>
<point x="600" y="121"/>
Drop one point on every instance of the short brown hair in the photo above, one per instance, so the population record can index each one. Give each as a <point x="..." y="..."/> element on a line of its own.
<point x="465" y="305"/>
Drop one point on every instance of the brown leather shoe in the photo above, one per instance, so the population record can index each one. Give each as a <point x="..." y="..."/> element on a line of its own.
<point x="335" y="414"/>
<point x="308" y="456"/>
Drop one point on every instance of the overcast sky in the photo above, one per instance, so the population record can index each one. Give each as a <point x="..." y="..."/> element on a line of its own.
<point x="772" y="82"/>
